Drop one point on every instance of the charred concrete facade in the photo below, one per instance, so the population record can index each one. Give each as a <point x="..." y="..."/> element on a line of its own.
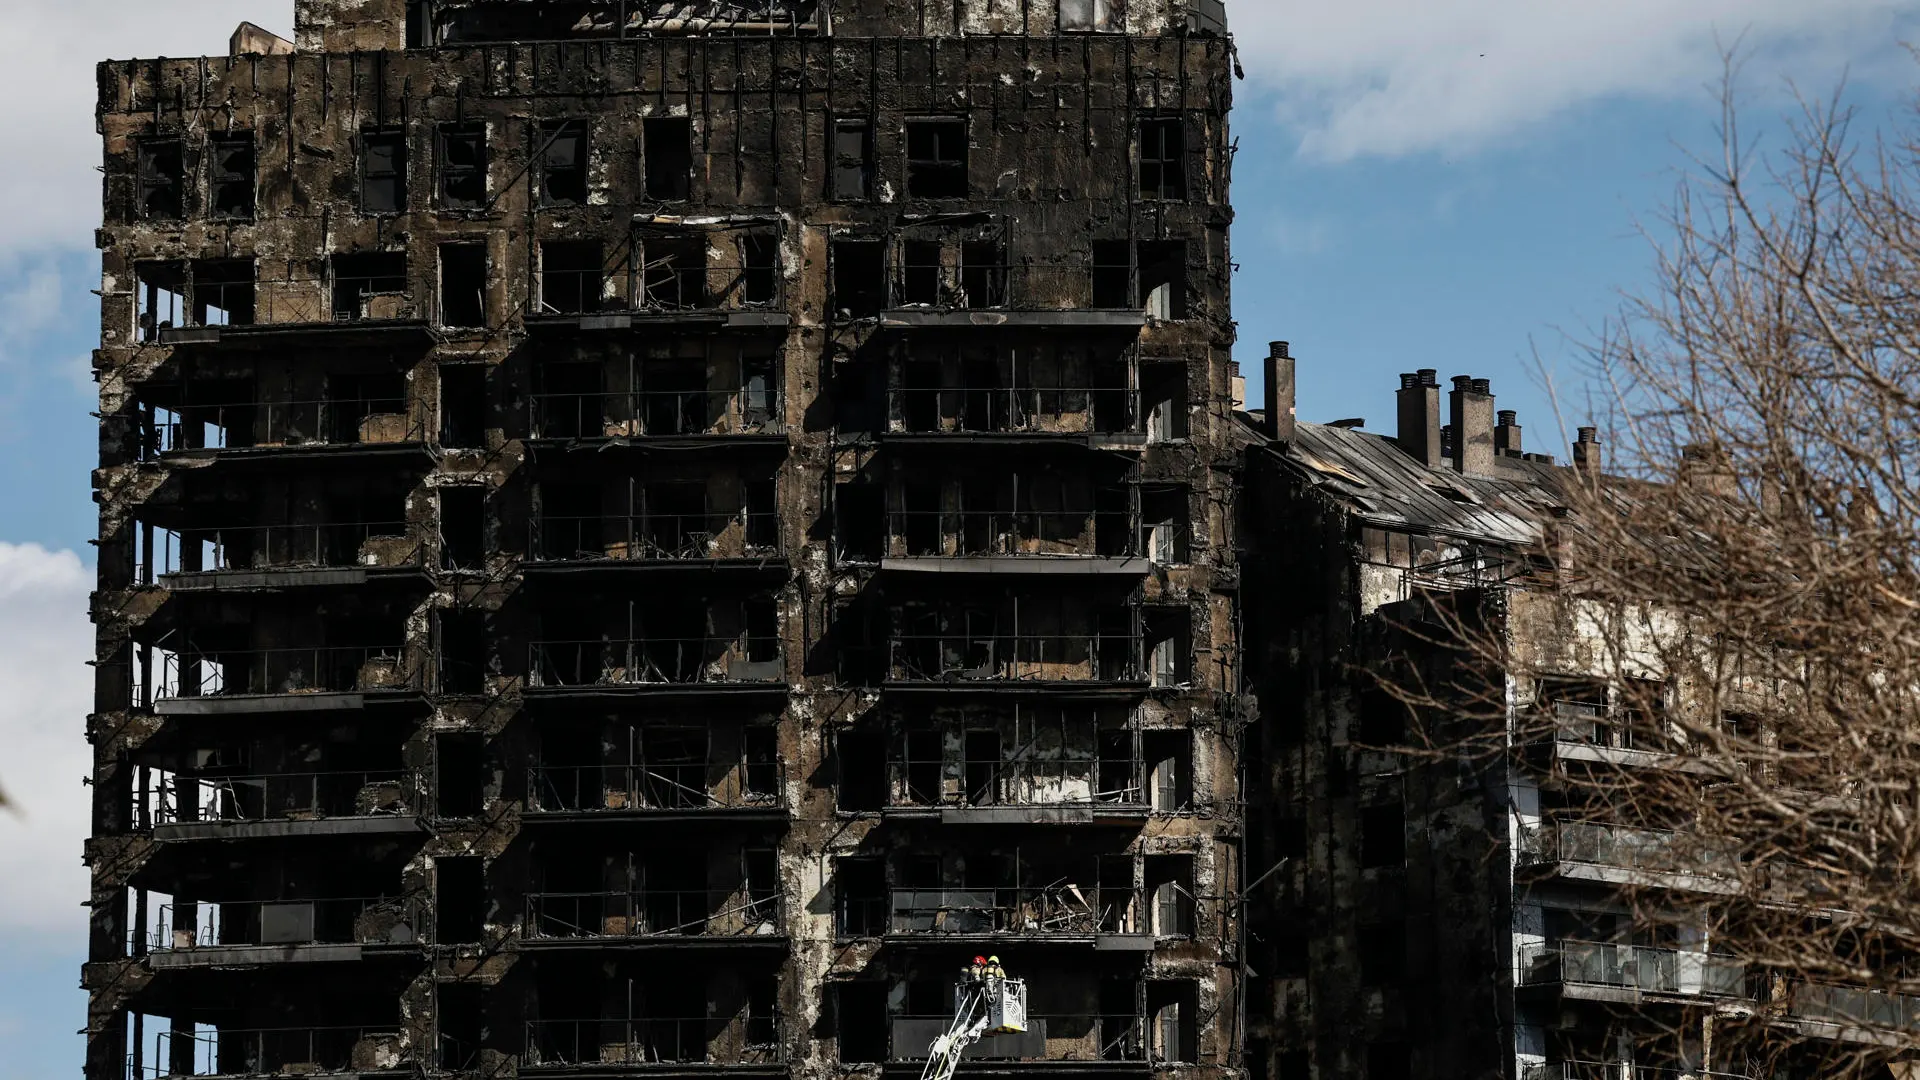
<point x="637" y="537"/>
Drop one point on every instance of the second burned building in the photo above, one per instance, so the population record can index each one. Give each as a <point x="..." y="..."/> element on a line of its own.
<point x="641" y="536"/>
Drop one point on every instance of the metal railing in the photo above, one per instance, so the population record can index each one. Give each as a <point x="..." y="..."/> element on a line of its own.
<point x="653" y="913"/>
<point x="660" y="286"/>
<point x="1015" y="658"/>
<point x="264" y="424"/>
<point x="1008" y="286"/>
<point x="656" y="413"/>
<point x="1018" y="782"/>
<point x="272" y="547"/>
<point x="1076" y="1037"/>
<point x="1632" y="967"/>
<point x="1851" y="1007"/>
<point x="185" y="925"/>
<point x="322" y="669"/>
<point x="1620" y="1070"/>
<point x="738" y="535"/>
<point x="649" y="1041"/>
<point x="280" y="1051"/>
<point x="1064" y="910"/>
<point x="268" y="796"/>
<point x="742" y="658"/>
<point x="1022" y="410"/>
<point x="1622" y="847"/>
<point x="923" y="533"/>
<point x="662" y="786"/>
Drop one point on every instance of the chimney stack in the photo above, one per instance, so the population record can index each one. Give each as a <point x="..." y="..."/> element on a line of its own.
<point x="1419" y="408"/>
<point x="1586" y="452"/>
<point x="1280" y="393"/>
<point x="1506" y="434"/>
<point x="1471" y="403"/>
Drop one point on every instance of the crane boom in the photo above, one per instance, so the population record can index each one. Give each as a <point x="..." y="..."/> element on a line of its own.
<point x="982" y="1006"/>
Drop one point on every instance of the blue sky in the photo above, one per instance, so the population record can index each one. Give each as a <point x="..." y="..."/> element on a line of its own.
<point x="1453" y="184"/>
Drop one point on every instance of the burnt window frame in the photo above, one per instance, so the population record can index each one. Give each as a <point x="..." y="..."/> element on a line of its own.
<point x="145" y="156"/>
<point x="445" y="171"/>
<point x="396" y="173"/>
<point x="1171" y="161"/>
<point x="551" y="133"/>
<point x="863" y="165"/>
<point x="937" y="165"/>
<point x="219" y="178"/>
<point x="683" y="184"/>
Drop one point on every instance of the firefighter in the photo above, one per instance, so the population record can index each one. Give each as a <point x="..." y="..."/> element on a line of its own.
<point x="994" y="970"/>
<point x="979" y="969"/>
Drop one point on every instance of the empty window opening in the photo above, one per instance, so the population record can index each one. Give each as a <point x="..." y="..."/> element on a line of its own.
<point x="983" y="273"/>
<point x="859" y="278"/>
<point x="759" y="392"/>
<point x="668" y="144"/>
<point x="852" y="159"/>
<point x="162" y="296"/>
<point x="1175" y="1011"/>
<point x="674" y="275"/>
<point x="383" y="171"/>
<point x="1164" y="534"/>
<point x="1163" y="153"/>
<point x="1118" y="779"/>
<point x="1383" y="835"/>
<point x="860" y="1021"/>
<point x="563" y="164"/>
<point x="859" y="520"/>
<point x="1391" y="1061"/>
<point x="1383" y="719"/>
<point x="1170" y="887"/>
<point x="369" y="285"/>
<point x="1112" y="274"/>
<point x="460" y="898"/>
<point x="461" y="1021"/>
<point x="937" y="158"/>
<point x="760" y="268"/>
<point x="1169" y="643"/>
<point x="463" y="406"/>
<point x="1163" y="279"/>
<point x="760" y="773"/>
<point x="222" y="292"/>
<point x="926" y="767"/>
<point x="571" y="279"/>
<point x="1163" y="392"/>
<point x="1083" y="15"/>
<point x="463" y="652"/>
<point x="860" y="889"/>
<point x="1383" y="953"/>
<point x="463" y="284"/>
<point x="763" y="517"/>
<point x="1169" y="757"/>
<point x="862" y="760"/>
<point x="463" y="166"/>
<point x="460" y="774"/>
<point x="161" y="167"/>
<point x="983" y="771"/>
<point x="463" y="528"/>
<point x="230" y="185"/>
<point x="921" y="273"/>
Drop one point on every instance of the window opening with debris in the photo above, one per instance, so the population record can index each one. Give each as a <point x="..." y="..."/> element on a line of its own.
<point x="937" y="157"/>
<point x="463" y="166"/>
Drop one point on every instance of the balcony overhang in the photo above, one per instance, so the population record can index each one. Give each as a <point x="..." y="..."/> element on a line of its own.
<point x="276" y="457"/>
<point x="657" y="942"/>
<point x="1016" y="565"/>
<point x="690" y="319"/>
<point x="234" y="956"/>
<point x="263" y="335"/>
<point x="627" y="818"/>
<point x="386" y="825"/>
<point x="276" y="704"/>
<point x="1631" y="877"/>
<point x="775" y="567"/>
<point x="612" y="692"/>
<point x="1082" y="319"/>
<point x="317" y="577"/>
<point x="640" y="444"/>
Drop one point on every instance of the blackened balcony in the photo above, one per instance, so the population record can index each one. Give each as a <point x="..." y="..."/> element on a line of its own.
<point x="1020" y="790"/>
<point x="249" y="556"/>
<point x="1852" y="1014"/>
<point x="721" y="279"/>
<point x="229" y="933"/>
<point x="1062" y="914"/>
<point x="662" y="788"/>
<point x="311" y="1051"/>
<point x="1112" y="412"/>
<point x="659" y="414"/>
<point x="1118" y="1040"/>
<point x="1031" y="541"/>
<point x="186" y="807"/>
<point x="718" y="537"/>
<point x="973" y="285"/>
<point x="974" y="658"/>
<point x="1620" y="1070"/>
<point x="221" y="302"/>
<point x="713" y="661"/>
<point x="213" y="680"/>
<point x="1624" y="856"/>
<point x="732" y="1044"/>
<point x="661" y="916"/>
<point x="282" y="429"/>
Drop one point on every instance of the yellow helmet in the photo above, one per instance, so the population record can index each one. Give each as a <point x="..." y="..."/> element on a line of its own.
<point x="993" y="959"/>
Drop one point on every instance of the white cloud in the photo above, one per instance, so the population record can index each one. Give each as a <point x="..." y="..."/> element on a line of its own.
<point x="50" y="188"/>
<point x="45" y="642"/>
<point x="1389" y="77"/>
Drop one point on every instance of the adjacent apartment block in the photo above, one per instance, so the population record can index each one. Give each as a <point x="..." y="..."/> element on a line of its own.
<point x="638" y="537"/>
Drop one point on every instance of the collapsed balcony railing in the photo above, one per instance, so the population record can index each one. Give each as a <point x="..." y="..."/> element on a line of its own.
<point x="942" y="658"/>
<point x="1076" y="1037"/>
<point x="649" y="1041"/>
<point x="742" y="658"/>
<point x="668" y="786"/>
<point x="656" y="413"/>
<point x="1056" y="410"/>
<point x="1019" y="782"/>
<point x="265" y="672"/>
<point x="278" y="1051"/>
<point x="187" y="925"/>
<point x="924" y="533"/>
<point x="1064" y="910"/>
<point x="279" y="424"/>
<point x="737" y="535"/>
<point x="652" y="913"/>
<point x="282" y="547"/>
<point x="1632" y="967"/>
<point x="178" y="799"/>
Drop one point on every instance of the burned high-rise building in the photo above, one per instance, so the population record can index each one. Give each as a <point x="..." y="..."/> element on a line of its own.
<point x="639" y="537"/>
